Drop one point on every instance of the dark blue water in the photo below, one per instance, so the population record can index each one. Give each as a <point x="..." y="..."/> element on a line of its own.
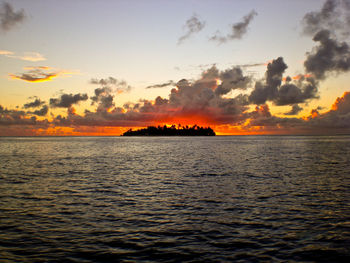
<point x="179" y="199"/>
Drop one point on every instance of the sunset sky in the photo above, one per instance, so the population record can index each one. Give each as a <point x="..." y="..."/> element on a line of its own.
<point x="89" y="67"/>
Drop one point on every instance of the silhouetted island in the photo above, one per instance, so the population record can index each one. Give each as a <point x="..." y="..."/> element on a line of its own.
<point x="171" y="131"/>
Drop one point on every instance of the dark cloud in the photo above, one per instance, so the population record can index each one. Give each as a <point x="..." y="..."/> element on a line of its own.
<point x="294" y="110"/>
<point x="9" y="18"/>
<point x="328" y="26"/>
<point x="232" y="79"/>
<point x="15" y="117"/>
<point x="329" y="56"/>
<point x="238" y="30"/>
<point x="35" y="75"/>
<point x="189" y="102"/>
<point x="334" y="16"/>
<point x="162" y="85"/>
<point x="34" y="104"/>
<point x="112" y="83"/>
<point x="41" y="112"/>
<point x="104" y="98"/>
<point x="252" y="65"/>
<point x="67" y="100"/>
<point x="193" y="25"/>
<point x="336" y="120"/>
<point x="224" y="81"/>
<point x="298" y="92"/>
<point x="104" y="82"/>
<point x="268" y="89"/>
<point x="292" y="92"/>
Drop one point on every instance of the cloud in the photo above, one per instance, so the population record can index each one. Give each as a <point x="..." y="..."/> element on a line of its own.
<point x="34" y="104"/>
<point x="336" y="120"/>
<point x="162" y="85"/>
<point x="27" y="56"/>
<point x="327" y="26"/>
<point x="30" y="56"/>
<point x="40" y="74"/>
<point x="342" y="104"/>
<point x="119" y="86"/>
<point x="334" y="16"/>
<point x="104" y="96"/>
<point x="267" y="89"/>
<point x="299" y="90"/>
<point x="294" y="110"/>
<point x="15" y="117"/>
<point x="104" y="99"/>
<point x="329" y="56"/>
<point x="41" y="112"/>
<point x="232" y="79"/>
<point x="5" y="52"/>
<point x="252" y="65"/>
<point x="238" y="30"/>
<point x="9" y="18"/>
<point x="193" y="25"/>
<point x="67" y="100"/>
<point x="190" y="102"/>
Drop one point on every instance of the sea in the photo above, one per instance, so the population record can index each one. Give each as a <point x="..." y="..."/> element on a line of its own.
<point x="175" y="199"/>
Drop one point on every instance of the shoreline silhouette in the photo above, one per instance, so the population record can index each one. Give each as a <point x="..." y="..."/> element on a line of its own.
<point x="195" y="130"/>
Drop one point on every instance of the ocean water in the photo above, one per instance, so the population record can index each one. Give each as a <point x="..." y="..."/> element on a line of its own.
<point x="175" y="199"/>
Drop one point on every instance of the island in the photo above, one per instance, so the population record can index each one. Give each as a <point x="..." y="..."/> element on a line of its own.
<point x="171" y="131"/>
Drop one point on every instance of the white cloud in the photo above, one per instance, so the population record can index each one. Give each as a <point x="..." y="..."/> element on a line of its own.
<point x="27" y="56"/>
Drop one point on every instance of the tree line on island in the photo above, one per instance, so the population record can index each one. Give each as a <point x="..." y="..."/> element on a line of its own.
<point x="195" y="130"/>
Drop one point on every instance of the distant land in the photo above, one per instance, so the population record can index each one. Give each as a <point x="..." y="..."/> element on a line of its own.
<point x="171" y="131"/>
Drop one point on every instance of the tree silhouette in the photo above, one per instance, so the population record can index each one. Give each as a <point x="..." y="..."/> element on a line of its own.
<point x="195" y="130"/>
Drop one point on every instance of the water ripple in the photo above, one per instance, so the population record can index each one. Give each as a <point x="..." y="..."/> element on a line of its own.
<point x="221" y="199"/>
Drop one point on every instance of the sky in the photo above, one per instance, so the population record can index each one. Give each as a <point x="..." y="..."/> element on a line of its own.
<point x="89" y="67"/>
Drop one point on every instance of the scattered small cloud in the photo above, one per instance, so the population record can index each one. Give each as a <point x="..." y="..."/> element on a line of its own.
<point x="6" y="53"/>
<point x="10" y="18"/>
<point x="67" y="100"/>
<point x="120" y="86"/>
<point x="252" y="65"/>
<point x="238" y="30"/>
<point x="27" y="56"/>
<point x="162" y="85"/>
<point x="34" y="104"/>
<point x="193" y="25"/>
<point x="40" y="74"/>
<point x="30" y="56"/>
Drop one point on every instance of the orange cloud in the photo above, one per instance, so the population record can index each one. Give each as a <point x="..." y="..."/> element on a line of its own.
<point x="40" y="74"/>
<point x="6" y="53"/>
<point x="297" y="77"/>
<point x="340" y="101"/>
